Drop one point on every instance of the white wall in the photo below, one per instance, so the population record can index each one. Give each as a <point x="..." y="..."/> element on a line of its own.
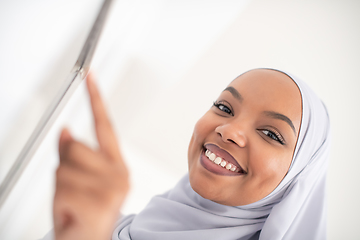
<point x="160" y="65"/>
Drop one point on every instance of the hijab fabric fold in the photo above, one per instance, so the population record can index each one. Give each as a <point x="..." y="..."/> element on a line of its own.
<point x="296" y="209"/>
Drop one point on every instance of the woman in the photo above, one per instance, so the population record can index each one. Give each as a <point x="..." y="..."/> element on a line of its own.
<point x="257" y="170"/>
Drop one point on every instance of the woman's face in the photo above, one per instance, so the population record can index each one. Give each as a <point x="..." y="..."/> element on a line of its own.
<point x="242" y="147"/>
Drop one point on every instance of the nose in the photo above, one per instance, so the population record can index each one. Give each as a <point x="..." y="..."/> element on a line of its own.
<point x="230" y="133"/>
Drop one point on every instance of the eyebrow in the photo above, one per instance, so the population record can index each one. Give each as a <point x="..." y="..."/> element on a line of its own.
<point x="271" y="114"/>
<point x="281" y="117"/>
<point x="234" y="92"/>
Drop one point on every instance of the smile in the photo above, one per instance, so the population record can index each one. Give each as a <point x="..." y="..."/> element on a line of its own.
<point x="221" y="162"/>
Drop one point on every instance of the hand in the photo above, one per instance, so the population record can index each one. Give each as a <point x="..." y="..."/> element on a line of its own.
<point x="91" y="185"/>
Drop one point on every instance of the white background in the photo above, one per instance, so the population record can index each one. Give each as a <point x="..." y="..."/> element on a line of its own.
<point x="160" y="64"/>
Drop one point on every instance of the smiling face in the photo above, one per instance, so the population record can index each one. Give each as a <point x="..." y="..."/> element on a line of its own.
<point x="242" y="147"/>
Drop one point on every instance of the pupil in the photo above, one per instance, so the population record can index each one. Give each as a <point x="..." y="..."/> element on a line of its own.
<point x="225" y="109"/>
<point x="273" y="136"/>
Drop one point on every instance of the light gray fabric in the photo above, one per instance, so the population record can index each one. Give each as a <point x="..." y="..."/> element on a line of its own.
<point x="296" y="209"/>
<point x="302" y="212"/>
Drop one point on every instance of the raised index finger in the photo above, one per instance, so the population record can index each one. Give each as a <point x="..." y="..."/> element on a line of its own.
<point x="104" y="131"/>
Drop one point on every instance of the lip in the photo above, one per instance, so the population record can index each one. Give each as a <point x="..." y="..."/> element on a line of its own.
<point x="214" y="168"/>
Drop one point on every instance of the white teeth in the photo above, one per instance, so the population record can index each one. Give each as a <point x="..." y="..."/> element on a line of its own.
<point x="207" y="153"/>
<point x="219" y="161"/>
<point x="228" y="166"/>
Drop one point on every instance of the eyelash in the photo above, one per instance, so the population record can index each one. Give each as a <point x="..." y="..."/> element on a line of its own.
<point x="272" y="135"/>
<point x="222" y="107"/>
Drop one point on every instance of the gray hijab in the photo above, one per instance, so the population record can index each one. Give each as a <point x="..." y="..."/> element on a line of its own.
<point x="296" y="209"/>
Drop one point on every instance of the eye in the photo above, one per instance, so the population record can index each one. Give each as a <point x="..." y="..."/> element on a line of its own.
<point x="222" y="107"/>
<point x="274" y="136"/>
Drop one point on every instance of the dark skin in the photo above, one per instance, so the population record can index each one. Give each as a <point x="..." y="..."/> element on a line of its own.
<point x="249" y="121"/>
<point x="91" y="184"/>
<point x="256" y="120"/>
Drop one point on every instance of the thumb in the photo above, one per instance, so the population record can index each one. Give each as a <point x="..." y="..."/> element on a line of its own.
<point x="65" y="137"/>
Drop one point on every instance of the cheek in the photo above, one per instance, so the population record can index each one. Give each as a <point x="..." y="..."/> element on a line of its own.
<point x="271" y="166"/>
<point x="282" y="163"/>
<point x="194" y="143"/>
<point x="202" y="130"/>
<point x="191" y="150"/>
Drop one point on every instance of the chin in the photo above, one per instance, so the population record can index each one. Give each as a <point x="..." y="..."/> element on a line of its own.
<point x="203" y="187"/>
<point x="203" y="192"/>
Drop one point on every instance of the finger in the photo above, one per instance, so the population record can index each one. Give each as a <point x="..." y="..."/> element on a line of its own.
<point x="64" y="140"/>
<point x="104" y="131"/>
<point x="77" y="216"/>
<point x="67" y="176"/>
<point x="77" y="155"/>
<point x="70" y="212"/>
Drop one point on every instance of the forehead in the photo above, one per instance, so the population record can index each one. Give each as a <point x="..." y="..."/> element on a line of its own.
<point x="270" y="90"/>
